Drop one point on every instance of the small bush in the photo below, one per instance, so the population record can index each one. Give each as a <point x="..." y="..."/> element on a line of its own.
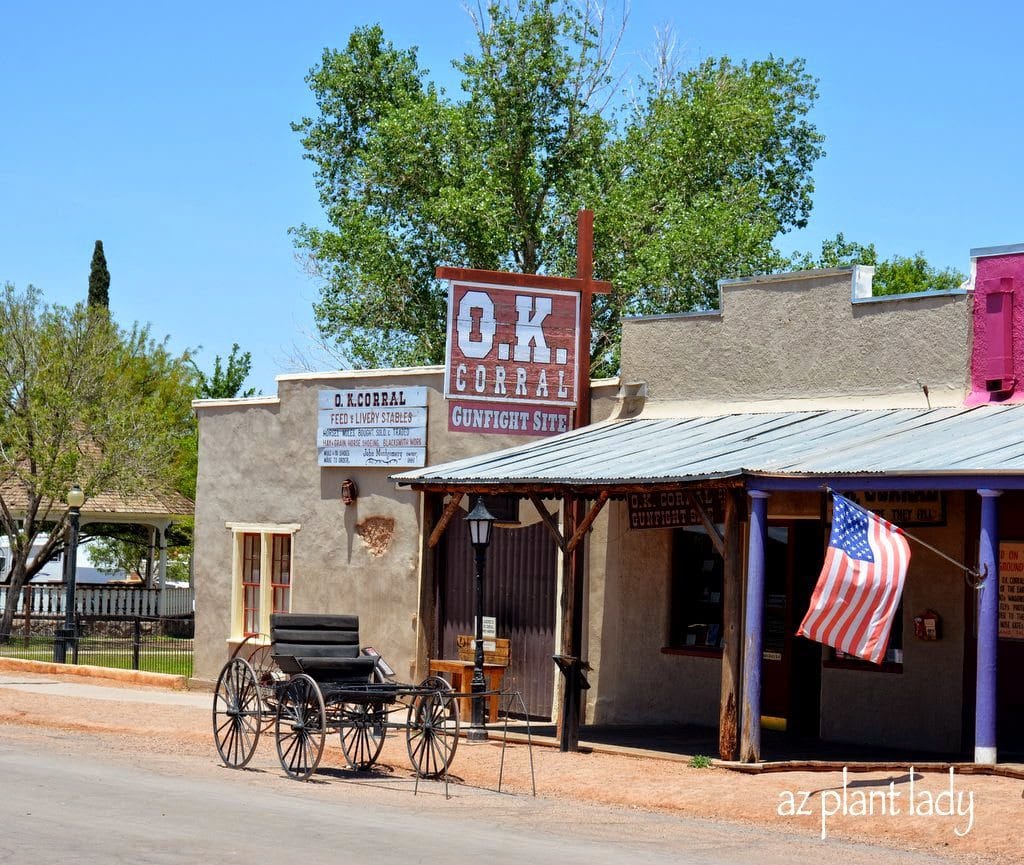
<point x="699" y="761"/>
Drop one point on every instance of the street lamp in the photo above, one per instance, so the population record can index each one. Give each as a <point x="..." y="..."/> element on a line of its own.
<point x="480" y="523"/>
<point x="67" y="635"/>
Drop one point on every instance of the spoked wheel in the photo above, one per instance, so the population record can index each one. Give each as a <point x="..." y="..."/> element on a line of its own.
<point x="362" y="733"/>
<point x="432" y="729"/>
<point x="256" y="650"/>
<point x="299" y="728"/>
<point x="237" y="711"/>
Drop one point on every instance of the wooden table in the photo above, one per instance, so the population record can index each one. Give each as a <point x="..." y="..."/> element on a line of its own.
<point x="462" y="681"/>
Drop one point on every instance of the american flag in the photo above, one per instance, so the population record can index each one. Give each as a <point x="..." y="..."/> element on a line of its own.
<point x="860" y="586"/>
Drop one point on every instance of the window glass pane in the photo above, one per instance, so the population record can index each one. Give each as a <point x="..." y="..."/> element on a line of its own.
<point x="250" y="584"/>
<point x="281" y="572"/>
<point x="696" y="612"/>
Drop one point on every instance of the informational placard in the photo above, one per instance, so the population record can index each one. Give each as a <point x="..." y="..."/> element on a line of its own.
<point x="673" y="509"/>
<point x="904" y="507"/>
<point x="1011" y="590"/>
<point x="511" y="350"/>
<point x="372" y="427"/>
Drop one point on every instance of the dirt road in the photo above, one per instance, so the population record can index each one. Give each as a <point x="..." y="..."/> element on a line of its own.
<point x="938" y="818"/>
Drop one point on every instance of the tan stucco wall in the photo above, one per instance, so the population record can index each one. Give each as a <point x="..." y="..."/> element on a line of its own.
<point x="630" y="591"/>
<point x="258" y="465"/>
<point x="802" y="337"/>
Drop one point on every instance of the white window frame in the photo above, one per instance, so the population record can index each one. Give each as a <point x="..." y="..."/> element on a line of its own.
<point x="265" y="531"/>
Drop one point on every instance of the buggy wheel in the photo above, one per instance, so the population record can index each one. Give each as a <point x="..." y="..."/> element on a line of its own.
<point x="299" y="727"/>
<point x="432" y="729"/>
<point x="362" y="733"/>
<point x="256" y="650"/>
<point x="237" y="713"/>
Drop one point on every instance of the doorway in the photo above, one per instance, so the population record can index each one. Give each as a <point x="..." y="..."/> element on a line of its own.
<point x="520" y="583"/>
<point x="791" y="665"/>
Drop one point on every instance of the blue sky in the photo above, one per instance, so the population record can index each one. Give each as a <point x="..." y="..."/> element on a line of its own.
<point x="163" y="129"/>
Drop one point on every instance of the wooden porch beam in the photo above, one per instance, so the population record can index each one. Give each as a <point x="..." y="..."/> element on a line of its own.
<point x="446" y="517"/>
<point x="548" y="520"/>
<point x="588" y="521"/>
<point x="716" y="539"/>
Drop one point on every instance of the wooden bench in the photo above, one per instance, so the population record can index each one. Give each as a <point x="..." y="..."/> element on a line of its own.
<point x="496" y="661"/>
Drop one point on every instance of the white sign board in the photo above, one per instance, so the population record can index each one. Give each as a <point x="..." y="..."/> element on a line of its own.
<point x="372" y="427"/>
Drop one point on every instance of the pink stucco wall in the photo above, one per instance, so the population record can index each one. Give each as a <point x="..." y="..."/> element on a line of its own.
<point x="991" y="274"/>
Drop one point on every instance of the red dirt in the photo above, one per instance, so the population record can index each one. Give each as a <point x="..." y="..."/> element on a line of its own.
<point x="989" y="824"/>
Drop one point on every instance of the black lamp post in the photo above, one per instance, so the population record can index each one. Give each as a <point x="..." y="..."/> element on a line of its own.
<point x="67" y="635"/>
<point x="480" y="522"/>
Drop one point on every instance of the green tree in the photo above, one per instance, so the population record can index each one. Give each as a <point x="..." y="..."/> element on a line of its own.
<point x="899" y="274"/>
<point x="711" y="165"/>
<point x="83" y="401"/>
<point x="99" y="278"/>
<point x="692" y="181"/>
<point x="411" y="180"/>
<point x="120" y="549"/>
<point x="226" y="380"/>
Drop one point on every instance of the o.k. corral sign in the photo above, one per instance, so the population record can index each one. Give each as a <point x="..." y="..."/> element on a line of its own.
<point x="511" y="362"/>
<point x="372" y="427"/>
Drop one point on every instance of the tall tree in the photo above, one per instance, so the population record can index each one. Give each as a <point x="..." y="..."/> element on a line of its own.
<point x="711" y="166"/>
<point x="81" y="401"/>
<point x="692" y="181"/>
<point x="99" y="278"/>
<point x="120" y="548"/>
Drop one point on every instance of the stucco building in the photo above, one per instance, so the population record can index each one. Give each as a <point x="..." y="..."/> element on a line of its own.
<point x="703" y="475"/>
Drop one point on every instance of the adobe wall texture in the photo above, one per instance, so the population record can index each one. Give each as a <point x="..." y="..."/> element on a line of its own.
<point x="258" y="465"/>
<point x="801" y="337"/>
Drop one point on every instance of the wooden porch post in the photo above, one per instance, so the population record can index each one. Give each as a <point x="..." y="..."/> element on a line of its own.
<point x="571" y="656"/>
<point x="732" y="618"/>
<point x="750" y="743"/>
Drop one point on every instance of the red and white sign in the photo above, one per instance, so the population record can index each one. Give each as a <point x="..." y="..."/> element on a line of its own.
<point x="509" y="418"/>
<point x="515" y="346"/>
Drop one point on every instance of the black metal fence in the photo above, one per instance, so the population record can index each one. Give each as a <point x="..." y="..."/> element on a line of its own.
<point x="153" y="645"/>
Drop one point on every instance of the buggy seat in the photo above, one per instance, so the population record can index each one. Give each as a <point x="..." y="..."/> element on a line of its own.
<point x="324" y="647"/>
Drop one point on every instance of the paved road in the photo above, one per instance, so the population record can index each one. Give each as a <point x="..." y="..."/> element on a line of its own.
<point x="62" y="804"/>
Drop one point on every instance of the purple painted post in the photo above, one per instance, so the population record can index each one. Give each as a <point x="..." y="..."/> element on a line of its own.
<point x="750" y="738"/>
<point x="988" y="630"/>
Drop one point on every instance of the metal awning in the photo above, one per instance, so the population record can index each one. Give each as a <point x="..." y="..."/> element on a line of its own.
<point x="940" y="447"/>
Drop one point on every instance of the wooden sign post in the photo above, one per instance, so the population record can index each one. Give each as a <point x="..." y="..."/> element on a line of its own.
<point x="575" y="518"/>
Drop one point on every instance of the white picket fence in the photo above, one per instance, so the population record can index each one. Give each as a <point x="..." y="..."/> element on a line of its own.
<point x="102" y="601"/>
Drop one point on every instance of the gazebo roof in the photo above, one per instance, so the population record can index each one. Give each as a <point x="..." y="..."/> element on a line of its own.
<point x="146" y="505"/>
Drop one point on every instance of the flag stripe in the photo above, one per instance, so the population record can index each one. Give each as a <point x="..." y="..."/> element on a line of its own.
<point x="855" y="600"/>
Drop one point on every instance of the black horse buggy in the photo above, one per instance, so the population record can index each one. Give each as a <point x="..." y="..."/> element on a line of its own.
<point x="314" y="679"/>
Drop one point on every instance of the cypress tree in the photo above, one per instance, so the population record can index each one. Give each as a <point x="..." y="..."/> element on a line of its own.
<point x="99" y="278"/>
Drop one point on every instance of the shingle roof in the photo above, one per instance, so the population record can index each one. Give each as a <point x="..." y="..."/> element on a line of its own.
<point x="149" y="503"/>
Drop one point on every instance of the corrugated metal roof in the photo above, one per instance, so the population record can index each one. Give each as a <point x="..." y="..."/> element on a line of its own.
<point x="981" y="440"/>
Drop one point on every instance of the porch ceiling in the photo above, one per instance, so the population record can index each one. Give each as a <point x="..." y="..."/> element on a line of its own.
<point x="940" y="448"/>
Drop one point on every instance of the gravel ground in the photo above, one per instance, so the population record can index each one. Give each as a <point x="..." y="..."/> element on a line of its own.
<point x="964" y="819"/>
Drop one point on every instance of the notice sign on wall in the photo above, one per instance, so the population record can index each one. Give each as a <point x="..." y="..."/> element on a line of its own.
<point x="673" y="509"/>
<point x="905" y="507"/>
<point x="372" y="427"/>
<point x="1011" y="591"/>
<point x="511" y="362"/>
